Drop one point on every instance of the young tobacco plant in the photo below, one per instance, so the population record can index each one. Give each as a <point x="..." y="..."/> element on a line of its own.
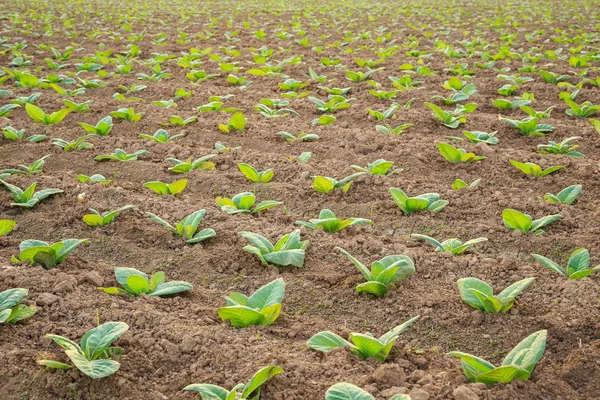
<point x="249" y="391"/>
<point x="566" y="196"/>
<point x="255" y="176"/>
<point x="11" y="133"/>
<point x="585" y="110"/>
<point x="534" y="169"/>
<point x="175" y="120"/>
<point x="268" y="112"/>
<point x="324" y="184"/>
<point x="6" y="226"/>
<point x="483" y="137"/>
<point x="503" y="104"/>
<point x="529" y="126"/>
<point x="161" y="136"/>
<point x="237" y="122"/>
<point x="561" y="148"/>
<point x="302" y="137"/>
<point x="75" y="145"/>
<point x="102" y="128"/>
<point x="289" y="250"/>
<point x="426" y="201"/>
<point x="383" y="273"/>
<point x="381" y="116"/>
<point x="36" y="167"/>
<point x="330" y="223"/>
<point x="93" y="355"/>
<point x="96" y="178"/>
<point x="136" y="282"/>
<point x="187" y="228"/>
<point x="537" y="114"/>
<point x="105" y="218"/>
<point x="360" y="76"/>
<point x="29" y="197"/>
<point x="78" y="107"/>
<point x="453" y="245"/>
<point x="39" y="116"/>
<point x="378" y="167"/>
<point x="121" y="155"/>
<point x="199" y="164"/>
<point x="261" y="308"/>
<point x="480" y="295"/>
<point x="452" y="119"/>
<point x="388" y="129"/>
<point x="577" y="267"/>
<point x="460" y="184"/>
<point x="243" y="202"/>
<point x="167" y="188"/>
<point x="348" y="391"/>
<point x="11" y="311"/>
<point x="454" y="155"/>
<point x="45" y="254"/>
<point x="518" y="363"/>
<point x="363" y="345"/>
<point x="517" y="220"/>
<point x="127" y="114"/>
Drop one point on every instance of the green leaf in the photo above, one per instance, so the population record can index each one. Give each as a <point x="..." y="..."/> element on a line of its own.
<point x="249" y="172"/>
<point x="208" y="392"/>
<point x="137" y="284"/>
<point x="372" y="287"/>
<point x="347" y="391"/>
<point x="263" y="375"/>
<point x="96" y="340"/>
<point x="514" y="219"/>
<point x="36" y="113"/>
<point x="268" y="295"/>
<point x="172" y="287"/>
<point x="326" y="341"/>
<point x="549" y="263"/>
<point x="241" y="316"/>
<point x="472" y="366"/>
<point x="53" y="364"/>
<point x="528" y="352"/>
<point x="157" y="187"/>
<point x="95" y="369"/>
<point x="323" y="184"/>
<point x="293" y="257"/>
<point x="6" y="226"/>
<point x="466" y="287"/>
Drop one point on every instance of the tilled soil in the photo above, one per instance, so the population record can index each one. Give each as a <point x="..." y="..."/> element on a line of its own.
<point x="179" y="340"/>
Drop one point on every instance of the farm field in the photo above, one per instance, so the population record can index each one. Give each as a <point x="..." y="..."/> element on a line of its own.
<point x="480" y="113"/>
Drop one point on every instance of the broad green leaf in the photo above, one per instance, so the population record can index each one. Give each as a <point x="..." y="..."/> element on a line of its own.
<point x="268" y="295"/>
<point x="241" y="316"/>
<point x="171" y="287"/>
<point x="514" y="219"/>
<point x="53" y="364"/>
<point x="263" y="375"/>
<point x="96" y="340"/>
<point x="326" y="341"/>
<point x="137" y="284"/>
<point x="249" y="172"/>
<point x="95" y="369"/>
<point x="347" y="391"/>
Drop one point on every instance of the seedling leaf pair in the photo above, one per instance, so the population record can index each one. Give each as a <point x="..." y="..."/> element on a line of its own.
<point x="577" y="266"/>
<point x="426" y="201"/>
<point x="45" y="254"/>
<point x="188" y="227"/>
<point x="330" y="223"/>
<point x="517" y="220"/>
<point x="136" y="282"/>
<point x="11" y="311"/>
<point x="243" y="202"/>
<point x="261" y="308"/>
<point x="480" y="295"/>
<point x="289" y="250"/>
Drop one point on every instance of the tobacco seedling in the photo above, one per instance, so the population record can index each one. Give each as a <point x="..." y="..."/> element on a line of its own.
<point x="28" y="197"/>
<point x="39" y="116"/>
<point x="480" y="295"/>
<point x="250" y="390"/>
<point x="381" y="116"/>
<point x="11" y="133"/>
<point x="267" y="112"/>
<point x="78" y="107"/>
<point x="452" y="119"/>
<point x="561" y="148"/>
<point x="243" y="202"/>
<point x="363" y="345"/>
<point x="175" y="120"/>
<point x="289" y="250"/>
<point x="509" y="105"/>
<point x="93" y="355"/>
<point x="197" y="76"/>
<point x="261" y="308"/>
<point x="36" y="167"/>
<point x="11" y="311"/>
<point x="254" y="175"/>
<point x="565" y="196"/>
<point x="161" y="136"/>
<point x="167" y="188"/>
<point x="405" y="83"/>
<point x="384" y="272"/>
<point x="324" y="184"/>
<point x="453" y="245"/>
<point x="302" y="137"/>
<point x="454" y="155"/>
<point x="426" y="201"/>
<point x="237" y="122"/>
<point x="199" y="164"/>
<point x="105" y="218"/>
<point x="76" y="145"/>
<point x="335" y="103"/>
<point x="378" y="167"/>
<point x="386" y="128"/>
<point x="577" y="266"/>
<point x="551" y="77"/>
<point x="534" y="169"/>
<point x="459" y="184"/>
<point x="136" y="282"/>
<point x="45" y="254"/>
<point x="586" y="109"/>
<point x="6" y="226"/>
<point x="518" y="363"/>
<point x="360" y="76"/>
<point x="538" y="114"/>
<point x="483" y="137"/>
<point x="127" y="114"/>
<point x="348" y="391"/>
<point x="121" y="155"/>
<point x="6" y="110"/>
<point x="517" y="220"/>
<point x="96" y="178"/>
<point x="102" y="128"/>
<point x="529" y="126"/>
<point x="188" y="227"/>
<point x="330" y="223"/>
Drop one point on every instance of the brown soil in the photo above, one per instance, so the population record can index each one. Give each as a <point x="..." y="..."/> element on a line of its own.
<point x="173" y="342"/>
